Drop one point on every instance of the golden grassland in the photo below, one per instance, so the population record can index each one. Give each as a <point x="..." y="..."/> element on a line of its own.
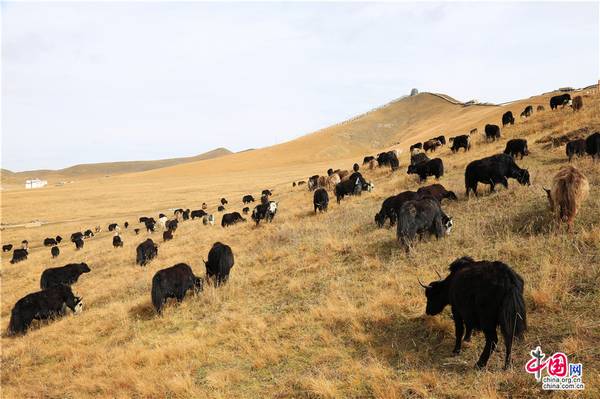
<point x="317" y="306"/>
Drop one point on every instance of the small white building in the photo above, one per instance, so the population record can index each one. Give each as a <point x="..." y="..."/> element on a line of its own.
<point x="35" y="183"/>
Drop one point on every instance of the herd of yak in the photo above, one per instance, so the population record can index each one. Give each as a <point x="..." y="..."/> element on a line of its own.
<point x="483" y="295"/>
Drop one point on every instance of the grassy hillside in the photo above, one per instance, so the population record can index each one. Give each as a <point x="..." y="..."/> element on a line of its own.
<point x="318" y="306"/>
<point x="106" y="168"/>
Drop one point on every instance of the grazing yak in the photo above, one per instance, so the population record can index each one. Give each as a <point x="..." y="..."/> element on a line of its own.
<point x="418" y="158"/>
<point x="540" y="108"/>
<point x="113" y="227"/>
<point x="204" y="206"/>
<point x="117" y="241"/>
<point x="224" y="201"/>
<point x="65" y="275"/>
<point x="246" y="199"/>
<point x="58" y="239"/>
<point x="433" y="167"/>
<point x="431" y="145"/>
<point x="245" y="210"/>
<point x="143" y="219"/>
<point x="421" y="216"/>
<point x="150" y="225"/>
<point x="321" y="200"/>
<point x="229" y="219"/>
<point x="219" y="264"/>
<point x="7" y="248"/>
<point x="167" y="235"/>
<point x="266" y="211"/>
<point x="368" y="159"/>
<point x="42" y="305"/>
<point x="575" y="147"/>
<point x="415" y="146"/>
<point x="462" y="141"/>
<point x="516" y="147"/>
<point x="570" y="188"/>
<point x="577" y="103"/>
<point x="54" y="251"/>
<point x="19" y="255"/>
<point x="391" y="206"/>
<point x="508" y="119"/>
<point x="221" y="208"/>
<point x="527" y="112"/>
<point x="562" y="99"/>
<point x="126" y="224"/>
<point x="24" y="244"/>
<point x="75" y="236"/>
<point x="301" y="183"/>
<point x="592" y="145"/>
<point x="436" y="191"/>
<point x="351" y="187"/>
<point x="492" y="132"/>
<point x="185" y="215"/>
<point x="208" y="219"/>
<point x="441" y="139"/>
<point x="78" y="243"/>
<point x="493" y="170"/>
<point x="173" y="282"/>
<point x="172" y="225"/>
<point x="372" y="164"/>
<point x="49" y="242"/>
<point x="198" y="213"/>
<point x="482" y="295"/>
<point x="267" y="193"/>
<point x="88" y="233"/>
<point x="145" y="252"/>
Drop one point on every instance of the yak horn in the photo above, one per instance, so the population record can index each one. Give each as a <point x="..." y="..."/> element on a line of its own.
<point x="421" y="284"/>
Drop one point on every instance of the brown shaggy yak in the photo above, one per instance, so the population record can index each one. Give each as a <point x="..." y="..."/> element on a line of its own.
<point x="570" y="188"/>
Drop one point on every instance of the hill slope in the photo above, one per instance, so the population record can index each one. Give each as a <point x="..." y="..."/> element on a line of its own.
<point x="107" y="168"/>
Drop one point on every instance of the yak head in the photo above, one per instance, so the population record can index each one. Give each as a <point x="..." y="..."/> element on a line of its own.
<point x="451" y="196"/>
<point x="411" y="169"/>
<point x="448" y="223"/>
<point x="437" y="296"/>
<point x="379" y="219"/>
<point x="523" y="177"/>
<point x="84" y="268"/>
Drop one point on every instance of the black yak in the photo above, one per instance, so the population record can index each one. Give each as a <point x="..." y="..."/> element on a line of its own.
<point x="421" y="216"/>
<point x="79" y="243"/>
<point x="117" y="242"/>
<point x="65" y="275"/>
<point x="54" y="251"/>
<point x="246" y="199"/>
<point x="19" y="255"/>
<point x="198" y="213"/>
<point x="492" y="132"/>
<point x="562" y="99"/>
<point x="483" y="295"/>
<point x="592" y="145"/>
<point x="508" y="119"/>
<point x="7" y="248"/>
<point x="173" y="282"/>
<point x="42" y="305"/>
<point x="49" y="242"/>
<point x="433" y="167"/>
<point x="167" y="235"/>
<point x="320" y="200"/>
<point x="516" y="147"/>
<point x="145" y="252"/>
<point x="462" y="141"/>
<point x="575" y="147"/>
<point x="391" y="206"/>
<point x="219" y="264"/>
<point x="229" y="219"/>
<point x="494" y="170"/>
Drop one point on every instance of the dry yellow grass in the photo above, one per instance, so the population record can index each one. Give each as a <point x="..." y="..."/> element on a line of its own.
<point x="317" y="306"/>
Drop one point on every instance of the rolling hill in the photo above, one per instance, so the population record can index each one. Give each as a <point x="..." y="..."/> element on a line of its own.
<point x="105" y="168"/>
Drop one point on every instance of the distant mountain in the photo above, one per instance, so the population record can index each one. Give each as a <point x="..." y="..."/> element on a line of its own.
<point x="105" y="168"/>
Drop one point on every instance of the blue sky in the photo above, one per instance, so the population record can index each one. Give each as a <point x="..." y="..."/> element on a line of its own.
<point x="95" y="82"/>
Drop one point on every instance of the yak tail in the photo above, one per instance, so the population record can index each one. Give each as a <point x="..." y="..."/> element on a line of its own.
<point x="513" y="317"/>
<point x="157" y="294"/>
